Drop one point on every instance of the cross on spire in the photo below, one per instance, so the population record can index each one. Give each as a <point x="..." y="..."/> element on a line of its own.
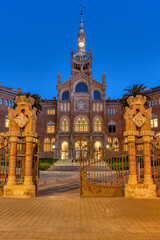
<point x="81" y="7"/>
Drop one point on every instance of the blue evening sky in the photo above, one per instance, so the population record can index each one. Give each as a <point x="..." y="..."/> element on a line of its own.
<point x="36" y="38"/>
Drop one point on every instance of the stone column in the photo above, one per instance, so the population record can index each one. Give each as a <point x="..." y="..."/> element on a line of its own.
<point x="132" y="160"/>
<point x="12" y="161"/>
<point x="147" y="160"/>
<point x="28" y="161"/>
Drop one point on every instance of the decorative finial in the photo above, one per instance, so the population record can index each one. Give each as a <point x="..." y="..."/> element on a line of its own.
<point x="81" y="7"/>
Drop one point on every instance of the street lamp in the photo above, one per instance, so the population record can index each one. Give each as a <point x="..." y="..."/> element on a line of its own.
<point x="53" y="147"/>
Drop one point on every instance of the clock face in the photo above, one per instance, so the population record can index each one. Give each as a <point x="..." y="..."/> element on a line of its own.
<point x="81" y="44"/>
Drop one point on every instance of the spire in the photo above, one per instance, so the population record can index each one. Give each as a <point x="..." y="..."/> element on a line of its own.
<point x="81" y="35"/>
<point x="81" y="23"/>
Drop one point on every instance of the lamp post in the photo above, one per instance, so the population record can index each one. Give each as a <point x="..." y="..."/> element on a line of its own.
<point x="53" y="147"/>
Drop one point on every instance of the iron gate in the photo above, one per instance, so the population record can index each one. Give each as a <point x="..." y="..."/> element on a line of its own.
<point x="3" y="165"/>
<point x="103" y="173"/>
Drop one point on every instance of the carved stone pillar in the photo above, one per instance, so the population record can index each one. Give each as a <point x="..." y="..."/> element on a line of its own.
<point x="12" y="161"/>
<point x="132" y="160"/>
<point x="28" y="161"/>
<point x="147" y="160"/>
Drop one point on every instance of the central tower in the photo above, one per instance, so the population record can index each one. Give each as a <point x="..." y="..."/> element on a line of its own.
<point x="81" y="103"/>
<point x="81" y="61"/>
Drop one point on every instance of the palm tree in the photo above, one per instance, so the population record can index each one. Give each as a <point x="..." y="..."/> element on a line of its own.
<point x="37" y="101"/>
<point x="134" y="90"/>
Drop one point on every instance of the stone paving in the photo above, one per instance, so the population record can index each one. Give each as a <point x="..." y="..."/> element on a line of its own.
<point x="59" y="213"/>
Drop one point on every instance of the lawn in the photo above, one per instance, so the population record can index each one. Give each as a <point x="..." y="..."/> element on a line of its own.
<point x="45" y="163"/>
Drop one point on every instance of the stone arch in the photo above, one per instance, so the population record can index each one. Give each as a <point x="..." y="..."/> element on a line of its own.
<point x="83" y="147"/>
<point x="64" y="149"/>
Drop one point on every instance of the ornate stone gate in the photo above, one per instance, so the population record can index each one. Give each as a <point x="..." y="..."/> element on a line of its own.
<point x="19" y="153"/>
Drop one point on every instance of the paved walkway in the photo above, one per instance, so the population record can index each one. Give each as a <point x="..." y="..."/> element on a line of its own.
<point x="60" y="214"/>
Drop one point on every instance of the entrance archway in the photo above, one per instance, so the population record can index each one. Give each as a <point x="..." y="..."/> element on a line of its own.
<point x="81" y="146"/>
<point x="98" y="148"/>
<point x="64" y="150"/>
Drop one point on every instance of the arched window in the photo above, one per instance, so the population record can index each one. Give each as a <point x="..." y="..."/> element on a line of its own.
<point x="65" y="125"/>
<point x="97" y="96"/>
<point x="52" y="143"/>
<point x="50" y="127"/>
<point x="1" y="101"/>
<point x="65" y="96"/>
<point x="111" y="127"/>
<point x="7" y="122"/>
<point x="81" y="88"/>
<point x="7" y="102"/>
<point x="47" y="145"/>
<point x="81" y="125"/>
<point x="97" y="125"/>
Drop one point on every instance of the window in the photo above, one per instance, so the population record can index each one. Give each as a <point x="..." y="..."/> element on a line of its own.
<point x="125" y="145"/>
<point x="65" y="96"/>
<point x="7" y="103"/>
<point x="111" y="127"/>
<point x="154" y="122"/>
<point x="101" y="107"/>
<point x="97" y="96"/>
<point x="94" y="108"/>
<point x="81" y="125"/>
<point x="1" y="101"/>
<point x="7" y="122"/>
<point x="152" y="103"/>
<point x="111" y="111"/>
<point x="155" y="102"/>
<point x="47" y="145"/>
<point x="51" y="111"/>
<point x="50" y="127"/>
<point x="115" y="144"/>
<point x="10" y="103"/>
<point x="52" y="142"/>
<point x="81" y="88"/>
<point x="97" y="125"/>
<point x="65" y="125"/>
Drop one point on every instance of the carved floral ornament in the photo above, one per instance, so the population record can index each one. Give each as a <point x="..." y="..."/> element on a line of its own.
<point x="139" y="119"/>
<point x="21" y="120"/>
